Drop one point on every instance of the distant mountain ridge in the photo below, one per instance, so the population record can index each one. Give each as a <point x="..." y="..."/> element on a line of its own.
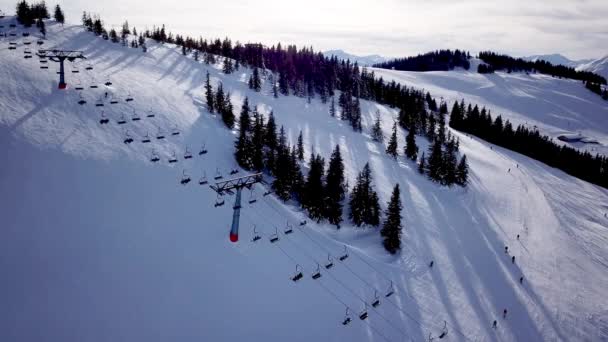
<point x="361" y="60"/>
<point x="598" y="66"/>
<point x="556" y="58"/>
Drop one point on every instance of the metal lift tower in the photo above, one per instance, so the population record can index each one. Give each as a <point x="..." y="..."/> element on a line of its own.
<point x="60" y="56"/>
<point x="228" y="187"/>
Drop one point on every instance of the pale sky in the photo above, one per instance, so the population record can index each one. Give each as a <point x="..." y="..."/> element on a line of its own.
<point x="575" y="28"/>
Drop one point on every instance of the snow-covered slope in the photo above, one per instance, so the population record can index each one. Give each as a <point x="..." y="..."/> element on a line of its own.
<point x="99" y="244"/>
<point x="555" y="106"/>
<point x="598" y="66"/>
<point x="557" y="59"/>
<point x="361" y="60"/>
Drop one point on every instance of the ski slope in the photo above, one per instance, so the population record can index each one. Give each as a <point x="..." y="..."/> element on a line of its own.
<point x="99" y="244"/>
<point x="554" y="106"/>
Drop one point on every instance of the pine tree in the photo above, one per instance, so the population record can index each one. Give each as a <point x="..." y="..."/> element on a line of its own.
<point x="296" y="177"/>
<point x="300" y="148"/>
<point x="41" y="27"/>
<point x="219" y="99"/>
<point x="411" y="149"/>
<point x="391" y="231"/>
<point x="228" y="112"/>
<point x="332" y="107"/>
<point x="377" y="134"/>
<point x="313" y="191"/>
<point x="449" y="164"/>
<point x="334" y="188"/>
<point x="59" y="16"/>
<point x="227" y="67"/>
<point x="282" y="182"/>
<point x="270" y="139"/>
<point x="209" y="95"/>
<point x="244" y="120"/>
<point x="422" y="164"/>
<point x="462" y="172"/>
<point x="257" y="142"/>
<point x="391" y="149"/>
<point x="364" y="207"/>
<point x="254" y="80"/>
<point x="435" y="162"/>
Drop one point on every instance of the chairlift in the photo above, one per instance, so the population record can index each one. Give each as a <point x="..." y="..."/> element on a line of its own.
<point x="257" y="236"/>
<point x="44" y="67"/>
<point x="219" y="201"/>
<point x="317" y="273"/>
<point x="122" y="120"/>
<point x="344" y="255"/>
<point x="347" y="318"/>
<point x="94" y="83"/>
<point x="43" y="60"/>
<point x="75" y="69"/>
<point x="27" y="42"/>
<point x="129" y="98"/>
<point x="288" y="229"/>
<point x="82" y="101"/>
<point x="185" y="178"/>
<point x="203" y="150"/>
<point x="274" y="237"/>
<point x="303" y="223"/>
<point x="252" y="198"/>
<point x="330" y="262"/>
<point x="89" y="66"/>
<point x="267" y="192"/>
<point x="25" y="34"/>
<point x="376" y="300"/>
<point x="78" y="85"/>
<point x="298" y="275"/>
<point x="128" y="138"/>
<point x="146" y="138"/>
<point x="40" y="42"/>
<point x="203" y="180"/>
<point x="390" y="291"/>
<point x="444" y="332"/>
<point x="104" y="119"/>
<point x="113" y="100"/>
<point x="155" y="158"/>
<point x="107" y="83"/>
<point x="135" y="117"/>
<point x="173" y="158"/>
<point x="363" y="314"/>
<point x="175" y="131"/>
<point x="234" y="171"/>
<point x="187" y="154"/>
<point x="99" y="102"/>
<point x="160" y="134"/>
<point x="218" y="174"/>
<point x="150" y="114"/>
<point x="26" y="56"/>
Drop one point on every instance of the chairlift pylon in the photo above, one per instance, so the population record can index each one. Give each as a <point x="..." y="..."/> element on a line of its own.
<point x="298" y="274"/>
<point x="203" y="180"/>
<point x="104" y="119"/>
<point x="274" y="237"/>
<point x="344" y="255"/>
<point x="185" y="178"/>
<point x="347" y="318"/>
<point x="256" y="236"/>
<point x="317" y="273"/>
<point x="330" y="262"/>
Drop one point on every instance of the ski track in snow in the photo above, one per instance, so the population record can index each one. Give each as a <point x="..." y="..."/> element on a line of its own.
<point x="100" y="244"/>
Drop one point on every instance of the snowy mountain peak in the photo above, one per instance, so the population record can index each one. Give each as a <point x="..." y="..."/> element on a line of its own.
<point x="361" y="60"/>
<point x="598" y="66"/>
<point x="557" y="59"/>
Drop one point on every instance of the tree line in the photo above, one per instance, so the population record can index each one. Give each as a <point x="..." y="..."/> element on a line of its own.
<point x="441" y="60"/>
<point x="529" y="142"/>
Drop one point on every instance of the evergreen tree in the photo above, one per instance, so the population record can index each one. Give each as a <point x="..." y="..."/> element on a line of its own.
<point x="254" y="80"/>
<point x="313" y="191"/>
<point x="364" y="207"/>
<point x="449" y="163"/>
<point x="244" y="120"/>
<point x="42" y="27"/>
<point x="227" y="67"/>
<point x="275" y="89"/>
<point x="377" y="134"/>
<point x="257" y="142"/>
<point x="59" y="16"/>
<point x="271" y="132"/>
<point x="300" y="148"/>
<point x="411" y="149"/>
<point x="334" y="188"/>
<point x="391" y="149"/>
<point x="391" y="231"/>
<point x="332" y="107"/>
<point x="462" y="172"/>
<point x="209" y="95"/>
<point x="422" y="164"/>
<point x="282" y="182"/>
<point x="228" y="112"/>
<point x="435" y="162"/>
<point x="219" y="99"/>
<point x="296" y="177"/>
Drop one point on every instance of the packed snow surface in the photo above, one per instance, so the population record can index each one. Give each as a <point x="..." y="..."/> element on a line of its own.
<point x="100" y="244"/>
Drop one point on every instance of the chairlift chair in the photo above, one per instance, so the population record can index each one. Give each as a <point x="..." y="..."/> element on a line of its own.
<point x="122" y="120"/>
<point x="257" y="237"/>
<point x="267" y="192"/>
<point x="146" y="138"/>
<point x="173" y="158"/>
<point x="185" y="178"/>
<point x="129" y="98"/>
<point x="347" y="318"/>
<point x="274" y="237"/>
<point x="104" y="119"/>
<point x="252" y="198"/>
<point x="99" y="102"/>
<point x="150" y="114"/>
<point x="317" y="273"/>
<point x="75" y="69"/>
<point x="187" y="154"/>
<point x="288" y="229"/>
<point x="219" y="201"/>
<point x="344" y="255"/>
<point x="26" y="34"/>
<point x="89" y="66"/>
<point x="135" y="117"/>
<point x="303" y="223"/>
<point x="160" y="135"/>
<point x="40" y="42"/>
<point x="78" y="85"/>
<point x="330" y="262"/>
<point x="376" y="300"/>
<point x="390" y="291"/>
<point x="128" y="138"/>
<point x="82" y="101"/>
<point x="107" y="83"/>
<point x="203" y="180"/>
<point x="363" y="314"/>
<point x="218" y="174"/>
<point x="93" y="84"/>
<point x="203" y="150"/>
<point x="298" y="275"/>
<point x="234" y="171"/>
<point x="175" y="131"/>
<point x="12" y="25"/>
<point x="27" y="42"/>
<point x="155" y="158"/>
<point x="444" y="332"/>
